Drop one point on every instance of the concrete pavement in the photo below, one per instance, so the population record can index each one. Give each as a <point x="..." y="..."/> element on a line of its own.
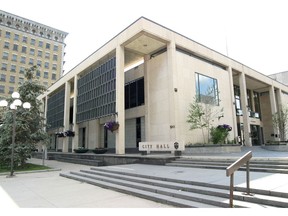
<point x="49" y="190"/>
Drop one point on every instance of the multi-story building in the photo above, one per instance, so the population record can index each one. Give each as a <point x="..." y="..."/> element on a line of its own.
<point x="145" y="78"/>
<point x="24" y="43"/>
<point x="280" y="77"/>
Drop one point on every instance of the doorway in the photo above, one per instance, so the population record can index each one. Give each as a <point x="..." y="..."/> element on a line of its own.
<point x="256" y="135"/>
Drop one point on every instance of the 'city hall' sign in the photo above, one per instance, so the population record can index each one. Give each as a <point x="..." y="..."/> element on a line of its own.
<point x="160" y="146"/>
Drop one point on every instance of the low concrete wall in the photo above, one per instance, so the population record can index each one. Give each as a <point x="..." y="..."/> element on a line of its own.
<point x="210" y="149"/>
<point x="275" y="147"/>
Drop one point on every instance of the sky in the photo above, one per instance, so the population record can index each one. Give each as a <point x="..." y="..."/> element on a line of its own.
<point x="253" y="32"/>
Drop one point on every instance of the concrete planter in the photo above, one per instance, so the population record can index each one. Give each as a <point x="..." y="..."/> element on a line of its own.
<point x="81" y="150"/>
<point x="210" y="149"/>
<point x="99" y="151"/>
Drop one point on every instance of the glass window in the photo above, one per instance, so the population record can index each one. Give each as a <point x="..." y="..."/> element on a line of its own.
<point x="16" y="37"/>
<point x="4" y="67"/>
<point x="11" y="90"/>
<point x="134" y="94"/>
<point x="47" y="46"/>
<point x="31" y="61"/>
<point x="39" y="63"/>
<point x="39" y="53"/>
<point x="47" y="55"/>
<point x="55" y="48"/>
<point x="5" y="55"/>
<point x="54" y="67"/>
<point x="206" y="89"/>
<point x="55" y="57"/>
<point x="23" y="59"/>
<point x="14" y="57"/>
<point x="24" y="39"/>
<point x="32" y="51"/>
<point x="3" y="77"/>
<point x="12" y="79"/>
<point x="40" y="44"/>
<point x="13" y="68"/>
<point x="2" y="89"/>
<point x="6" y="45"/>
<point x="24" y="49"/>
<point x="8" y="34"/>
<point x="15" y="47"/>
<point x="38" y="73"/>
<point x="45" y="74"/>
<point x="53" y="76"/>
<point x="32" y="41"/>
<point x="21" y="80"/>
<point x="47" y="65"/>
<point x="22" y="70"/>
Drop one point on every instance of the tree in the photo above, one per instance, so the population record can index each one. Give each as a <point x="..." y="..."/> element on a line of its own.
<point x="203" y="112"/>
<point x="280" y="122"/>
<point x="29" y="123"/>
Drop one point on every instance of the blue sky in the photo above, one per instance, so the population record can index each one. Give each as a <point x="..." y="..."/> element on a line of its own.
<point x="252" y="32"/>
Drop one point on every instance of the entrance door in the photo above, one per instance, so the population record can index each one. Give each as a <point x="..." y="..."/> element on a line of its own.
<point x="255" y="135"/>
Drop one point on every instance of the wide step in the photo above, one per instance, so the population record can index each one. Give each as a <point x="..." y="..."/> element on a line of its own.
<point x="256" y="166"/>
<point x="174" y="192"/>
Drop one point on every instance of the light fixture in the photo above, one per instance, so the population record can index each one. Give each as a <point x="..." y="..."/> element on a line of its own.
<point x="13" y="106"/>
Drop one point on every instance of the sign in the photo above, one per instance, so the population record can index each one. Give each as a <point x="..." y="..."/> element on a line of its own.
<point x="160" y="146"/>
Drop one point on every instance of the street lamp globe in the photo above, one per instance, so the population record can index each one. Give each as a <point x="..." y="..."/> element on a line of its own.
<point x="15" y="95"/>
<point x="3" y="103"/>
<point x="17" y="102"/>
<point x="26" y="105"/>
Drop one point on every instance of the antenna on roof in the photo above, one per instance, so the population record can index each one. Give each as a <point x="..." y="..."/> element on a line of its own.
<point x="227" y="46"/>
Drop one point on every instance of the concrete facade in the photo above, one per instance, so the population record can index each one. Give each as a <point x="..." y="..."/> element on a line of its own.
<point x="170" y="64"/>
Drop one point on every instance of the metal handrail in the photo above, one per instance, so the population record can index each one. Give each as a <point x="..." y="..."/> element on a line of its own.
<point x="234" y="167"/>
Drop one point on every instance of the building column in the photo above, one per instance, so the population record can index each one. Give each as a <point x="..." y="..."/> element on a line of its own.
<point x="120" y="100"/>
<point x="75" y="125"/>
<point x="66" y="114"/>
<point x="146" y="95"/>
<point x="234" y="126"/>
<point x="173" y="95"/>
<point x="279" y="99"/>
<point x="273" y="106"/>
<point x="272" y="100"/>
<point x="246" y="125"/>
<point x="44" y="105"/>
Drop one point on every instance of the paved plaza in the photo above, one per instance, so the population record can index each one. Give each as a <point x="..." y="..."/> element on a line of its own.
<point x="49" y="190"/>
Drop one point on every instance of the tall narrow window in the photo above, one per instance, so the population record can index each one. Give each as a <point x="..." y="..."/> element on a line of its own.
<point x="206" y="89"/>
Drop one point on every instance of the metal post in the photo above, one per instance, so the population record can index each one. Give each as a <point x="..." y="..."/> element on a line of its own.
<point x="13" y="144"/>
<point x="248" y="177"/>
<point x="231" y="189"/>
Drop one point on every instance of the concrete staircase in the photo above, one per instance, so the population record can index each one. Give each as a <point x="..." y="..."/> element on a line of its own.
<point x="275" y="166"/>
<point x="85" y="159"/>
<point x="176" y="192"/>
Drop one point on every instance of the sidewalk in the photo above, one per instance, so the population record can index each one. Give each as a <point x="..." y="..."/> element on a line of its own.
<point x="49" y="190"/>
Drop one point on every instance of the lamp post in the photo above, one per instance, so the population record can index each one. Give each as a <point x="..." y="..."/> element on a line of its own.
<point x="13" y="106"/>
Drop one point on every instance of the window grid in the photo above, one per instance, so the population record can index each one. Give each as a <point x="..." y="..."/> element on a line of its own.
<point x="96" y="92"/>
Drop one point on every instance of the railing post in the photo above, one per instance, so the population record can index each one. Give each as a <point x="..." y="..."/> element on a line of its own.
<point x="234" y="167"/>
<point x="248" y="177"/>
<point x="231" y="189"/>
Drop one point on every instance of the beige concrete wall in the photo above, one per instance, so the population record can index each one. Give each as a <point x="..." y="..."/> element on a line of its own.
<point x="187" y="67"/>
<point x="158" y="110"/>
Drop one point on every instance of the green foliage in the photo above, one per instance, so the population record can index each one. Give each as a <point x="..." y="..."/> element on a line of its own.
<point x="201" y="115"/>
<point x="218" y="135"/>
<point x="280" y="122"/>
<point x="29" y="123"/>
<point x="25" y="167"/>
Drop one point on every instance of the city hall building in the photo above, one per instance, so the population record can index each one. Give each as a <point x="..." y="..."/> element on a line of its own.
<point x="145" y="79"/>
